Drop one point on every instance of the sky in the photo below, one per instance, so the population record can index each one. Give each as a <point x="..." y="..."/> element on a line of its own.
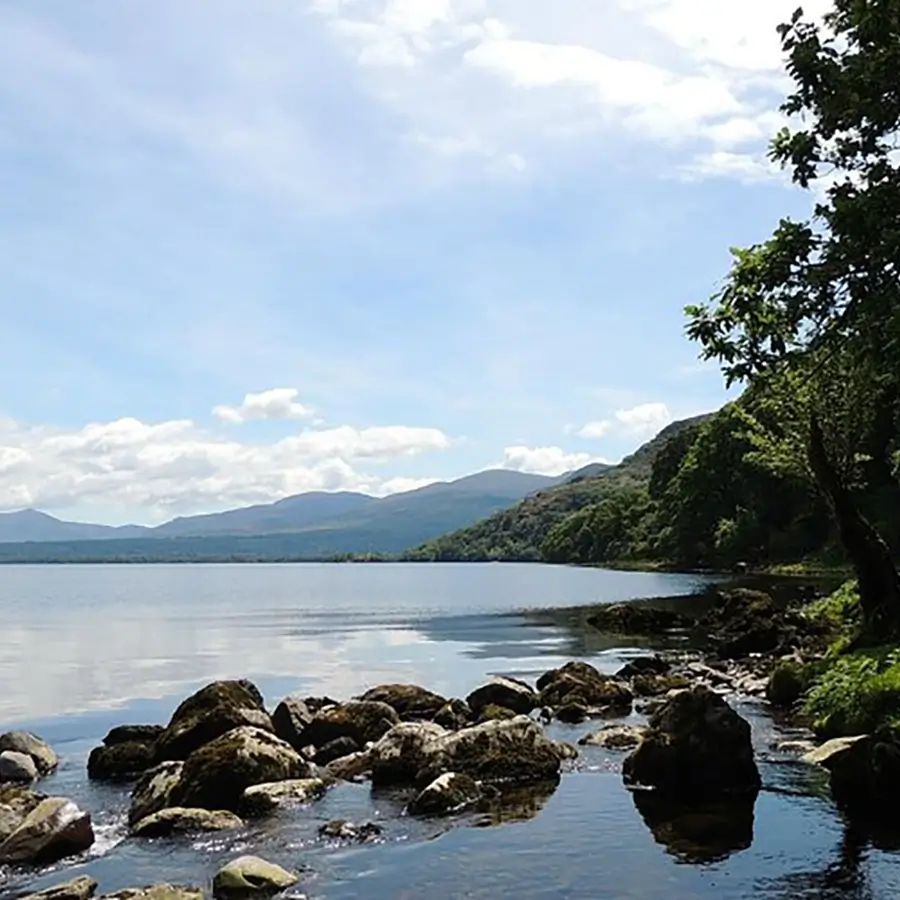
<point x="250" y="249"/>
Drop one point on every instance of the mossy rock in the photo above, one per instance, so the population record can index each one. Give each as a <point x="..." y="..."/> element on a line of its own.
<point x="120" y="762"/>
<point x="787" y="684"/>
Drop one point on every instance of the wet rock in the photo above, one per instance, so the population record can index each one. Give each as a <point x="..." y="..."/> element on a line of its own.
<point x="45" y="759"/>
<point x="342" y="830"/>
<point x="54" y="829"/>
<point x="335" y="749"/>
<point x="572" y="713"/>
<point x="18" y="767"/>
<point x="400" y="755"/>
<point x="156" y="892"/>
<point x="821" y="756"/>
<point x="361" y="720"/>
<point x="15" y="805"/>
<point x="82" y="888"/>
<point x="615" y="737"/>
<point x="348" y="768"/>
<point x="580" y="684"/>
<point x="449" y="793"/>
<point x="410" y="702"/>
<point x="658" y="685"/>
<point x="453" y="715"/>
<point x="794" y="746"/>
<point x="504" y="692"/>
<point x="290" y="720"/>
<point x="154" y="790"/>
<point x="637" y="619"/>
<point x="133" y="734"/>
<point x="696" y="745"/>
<point x="250" y="876"/>
<point x="179" y="820"/>
<point x="643" y="666"/>
<point x="514" y="750"/>
<point x="494" y="713"/>
<point x="786" y="685"/>
<point x="216" y="775"/>
<point x="317" y="704"/>
<point x="262" y="799"/>
<point x="214" y="710"/>
<point x="566" y="751"/>
<point x="120" y="762"/>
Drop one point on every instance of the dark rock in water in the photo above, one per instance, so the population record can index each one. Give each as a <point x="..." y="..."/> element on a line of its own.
<point x="17" y="767"/>
<point x="361" y="720"/>
<point x="492" y="712"/>
<point x="213" y="711"/>
<point x="410" y="702"/>
<point x="82" y="888"/>
<point x="657" y="685"/>
<point x="290" y="720"/>
<point x="262" y="799"/>
<point x="786" y="685"/>
<point x="644" y="665"/>
<point x="15" y="805"/>
<point x="341" y="829"/>
<point x="133" y="734"/>
<point x="403" y="752"/>
<point x="119" y="762"/>
<point x="216" y="775"/>
<point x="580" y="684"/>
<point x="506" y="692"/>
<point x="54" y="829"/>
<point x="453" y="715"/>
<point x="157" y="892"/>
<point x="698" y="832"/>
<point x="178" y="820"/>
<point x="449" y="793"/>
<point x="637" y="619"/>
<point x="572" y="713"/>
<point x="250" y="876"/>
<point x="43" y="756"/>
<point x="696" y="745"/>
<point x="336" y="749"/>
<point x="154" y="790"/>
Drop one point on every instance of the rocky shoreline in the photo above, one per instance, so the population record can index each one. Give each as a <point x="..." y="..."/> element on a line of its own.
<point x="224" y="760"/>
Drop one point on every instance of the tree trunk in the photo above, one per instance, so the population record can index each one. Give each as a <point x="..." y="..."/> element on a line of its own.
<point x="879" y="583"/>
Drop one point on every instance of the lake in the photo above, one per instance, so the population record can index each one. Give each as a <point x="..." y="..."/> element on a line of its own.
<point x="83" y="648"/>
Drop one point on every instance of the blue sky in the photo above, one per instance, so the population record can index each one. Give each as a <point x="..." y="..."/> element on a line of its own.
<point x="254" y="248"/>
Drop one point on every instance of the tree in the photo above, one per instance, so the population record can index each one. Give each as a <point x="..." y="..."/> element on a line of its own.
<point x="829" y="288"/>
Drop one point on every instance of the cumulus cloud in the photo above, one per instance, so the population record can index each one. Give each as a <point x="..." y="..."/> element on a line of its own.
<point x="277" y="403"/>
<point x="545" y="460"/>
<point x="644" y="420"/>
<point x="177" y="467"/>
<point x="595" y="430"/>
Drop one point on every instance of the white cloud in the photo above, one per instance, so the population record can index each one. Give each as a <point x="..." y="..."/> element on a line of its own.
<point x="645" y="420"/>
<point x="545" y="460"/>
<point x="401" y="485"/>
<point x="176" y="467"/>
<point x="744" y="167"/>
<point x="278" y="403"/>
<point x="595" y="430"/>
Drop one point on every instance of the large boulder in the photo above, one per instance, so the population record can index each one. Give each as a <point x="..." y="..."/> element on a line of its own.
<point x="349" y="768"/>
<point x="133" y="734"/>
<point x="45" y="759"/>
<point x="291" y="718"/>
<point x="579" y="684"/>
<point x="250" y="876"/>
<point x="216" y="775"/>
<point x="18" y="767"/>
<point x="15" y="805"/>
<point x="336" y="749"/>
<point x="214" y="710"/>
<point x="154" y="790"/>
<point x="81" y="888"/>
<point x="120" y="762"/>
<point x="696" y="745"/>
<point x="506" y="692"/>
<point x="449" y="793"/>
<point x="411" y="702"/>
<point x="453" y="715"/>
<point x="54" y="829"/>
<point x="403" y="752"/>
<point x="157" y="892"/>
<point x="362" y="720"/>
<point x="179" y="820"/>
<point x="261" y="799"/>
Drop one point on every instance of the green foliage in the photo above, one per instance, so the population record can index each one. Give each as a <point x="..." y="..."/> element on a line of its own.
<point x="840" y="609"/>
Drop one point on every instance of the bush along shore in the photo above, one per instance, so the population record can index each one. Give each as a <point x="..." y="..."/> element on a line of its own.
<point x="223" y="760"/>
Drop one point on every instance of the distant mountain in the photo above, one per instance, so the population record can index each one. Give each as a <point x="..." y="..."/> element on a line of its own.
<point x="31" y="525"/>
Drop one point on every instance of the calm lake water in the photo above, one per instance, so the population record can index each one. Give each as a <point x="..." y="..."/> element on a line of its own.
<point x="84" y="648"/>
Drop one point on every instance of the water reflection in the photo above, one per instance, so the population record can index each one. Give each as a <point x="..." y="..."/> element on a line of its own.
<point x="518" y="803"/>
<point x="699" y="832"/>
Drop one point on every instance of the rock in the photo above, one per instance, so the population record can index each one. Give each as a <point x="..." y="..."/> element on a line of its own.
<point x="786" y="685"/>
<point x="644" y="665"/>
<point x="261" y="799"/>
<point x="505" y="692"/>
<point x="572" y="713"/>
<point x="15" y="805"/>
<point x="214" y="710"/>
<point x="348" y="768"/>
<point x="290" y="719"/>
<point x="403" y="752"/>
<point x="800" y="746"/>
<point x="154" y="790"/>
<point x="156" y="892"/>
<point x="493" y="713"/>
<point x="361" y="720"/>
<point x="216" y="775"/>
<point x="133" y="734"/>
<point x="82" y="888"/>
<point x="453" y="715"/>
<point x="514" y="750"/>
<point x="54" y="829"/>
<point x="658" y="685"/>
<point x="566" y="751"/>
<point x="250" y="876"/>
<point x="580" y="684"/>
<point x="45" y="760"/>
<point x="120" y="762"/>
<point x="342" y="830"/>
<point x="410" y="702"/>
<point x="317" y="704"/>
<point x="821" y="756"/>
<point x="448" y="793"/>
<point x="18" y="767"/>
<point x="179" y="820"/>
<point x="335" y="749"/>
<point x="636" y="619"/>
<point x="615" y="737"/>
<point x="696" y="745"/>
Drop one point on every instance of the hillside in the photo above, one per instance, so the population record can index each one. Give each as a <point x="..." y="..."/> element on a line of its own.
<point x="31" y="525"/>
<point x="519" y="532"/>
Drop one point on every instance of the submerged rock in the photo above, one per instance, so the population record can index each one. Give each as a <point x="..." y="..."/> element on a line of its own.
<point x="363" y="721"/>
<point x="342" y="830"/>
<point x="403" y="752"/>
<point x="508" y="693"/>
<point x="18" y="767"/>
<point x="260" y="799"/>
<point x="696" y="745"/>
<point x="157" y="892"/>
<point x="290" y="719"/>
<point x="637" y="619"/>
<point x="120" y="762"/>
<point x="615" y="737"/>
<point x="179" y="820"/>
<point x="15" y="805"/>
<point x="216" y="775"/>
<point x="41" y="753"/>
<point x="54" y="829"/>
<point x="448" y="793"/>
<point x="411" y="702"/>
<point x="82" y="888"/>
<point x="154" y="790"/>
<point x="250" y="876"/>
<point x="214" y="710"/>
